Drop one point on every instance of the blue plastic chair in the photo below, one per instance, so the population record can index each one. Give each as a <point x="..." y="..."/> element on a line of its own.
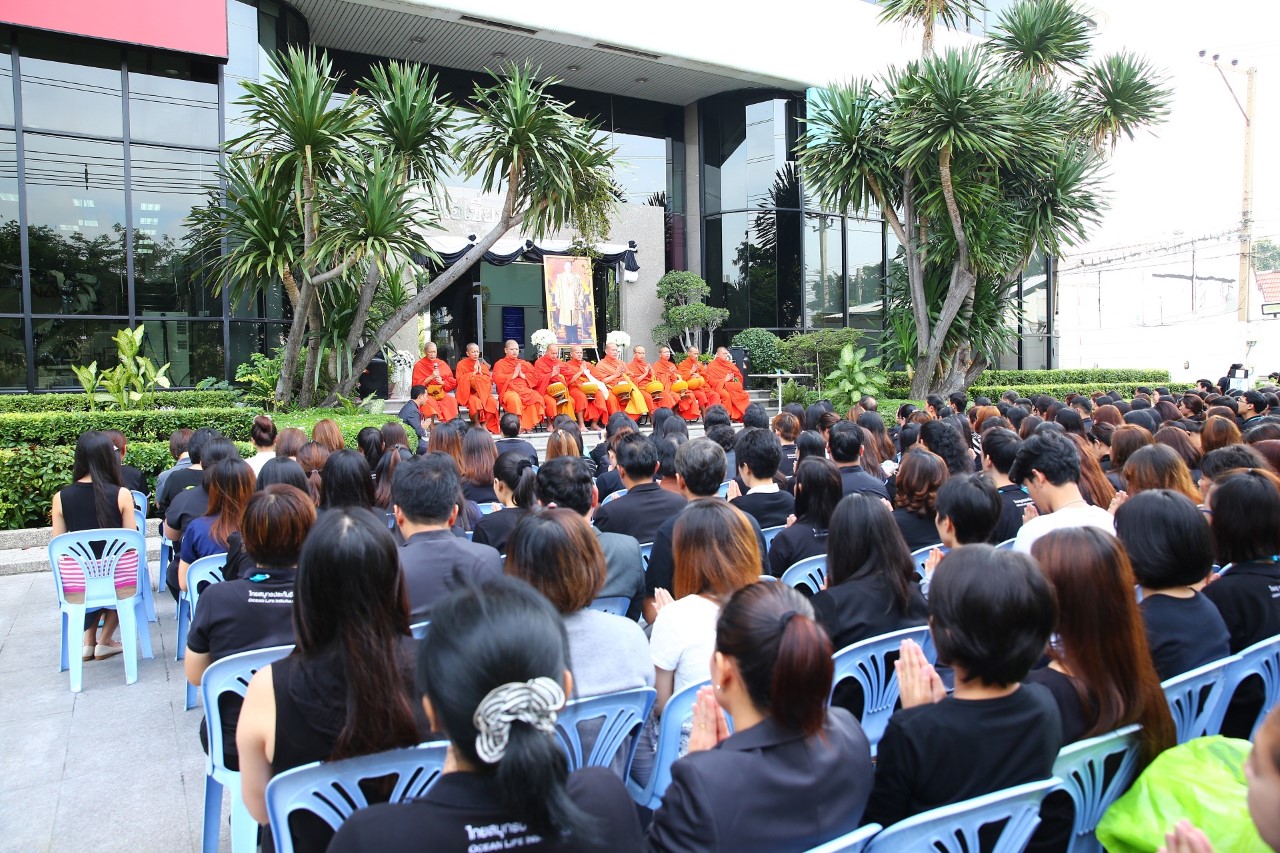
<point x="919" y="555"/>
<point x="99" y="592"/>
<point x="140" y="502"/>
<point x="331" y="790"/>
<point x="646" y="554"/>
<point x="200" y="574"/>
<point x="810" y="572"/>
<point x="954" y="828"/>
<point x="723" y="491"/>
<point x="469" y="534"/>
<point x="769" y="533"/>
<point x="1007" y="545"/>
<point x="144" y="566"/>
<point x="620" y="714"/>
<point x="1082" y="767"/>
<point x="678" y="711"/>
<point x="1261" y="659"/>
<point x="853" y="842"/>
<point x="1198" y="699"/>
<point x="489" y="507"/>
<point x="615" y="604"/>
<point x="228" y="675"/>
<point x="867" y="662"/>
<point x="419" y="629"/>
<point x="613" y="496"/>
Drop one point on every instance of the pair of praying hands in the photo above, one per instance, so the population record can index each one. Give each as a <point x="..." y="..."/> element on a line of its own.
<point x="709" y="723"/>
<point x="918" y="681"/>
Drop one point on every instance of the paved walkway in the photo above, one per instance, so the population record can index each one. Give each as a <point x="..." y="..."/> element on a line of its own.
<point x="115" y="767"/>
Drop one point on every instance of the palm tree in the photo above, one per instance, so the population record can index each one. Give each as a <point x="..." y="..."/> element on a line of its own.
<point x="977" y="157"/>
<point x="952" y="13"/>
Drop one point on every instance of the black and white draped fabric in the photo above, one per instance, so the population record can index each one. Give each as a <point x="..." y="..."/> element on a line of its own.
<point x="451" y="250"/>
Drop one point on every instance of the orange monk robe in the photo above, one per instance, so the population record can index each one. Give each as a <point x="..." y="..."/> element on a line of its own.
<point x="475" y="391"/>
<point x="725" y="378"/>
<point x="550" y="370"/>
<point x="446" y="408"/>
<point x="595" y="407"/>
<point x="613" y="371"/>
<point x="641" y="375"/>
<point x="518" y="390"/>
<point x="706" y="395"/>
<point x="685" y="405"/>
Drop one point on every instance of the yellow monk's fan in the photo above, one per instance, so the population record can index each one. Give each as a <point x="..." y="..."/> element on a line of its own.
<point x="696" y="382"/>
<point x="654" y="387"/>
<point x="435" y="392"/>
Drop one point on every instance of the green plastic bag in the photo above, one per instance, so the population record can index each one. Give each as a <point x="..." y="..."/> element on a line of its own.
<point x="1201" y="781"/>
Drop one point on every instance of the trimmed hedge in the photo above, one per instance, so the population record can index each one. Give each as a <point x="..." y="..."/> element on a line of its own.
<point x="1060" y="391"/>
<point x="79" y="401"/>
<point x="898" y="382"/>
<point x="63" y="428"/>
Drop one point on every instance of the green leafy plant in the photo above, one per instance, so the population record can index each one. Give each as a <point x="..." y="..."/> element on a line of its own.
<point x="854" y="376"/>
<point x="76" y="402"/>
<point x="89" y="380"/>
<point x="795" y="393"/>
<point x="686" y="317"/>
<point x="213" y="383"/>
<point x="370" y="405"/>
<point x="260" y="375"/>
<point x="132" y="382"/>
<point x="764" y="353"/>
<point x="814" y="352"/>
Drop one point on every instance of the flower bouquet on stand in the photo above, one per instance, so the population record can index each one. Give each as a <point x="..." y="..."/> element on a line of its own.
<point x="543" y="340"/>
<point x="622" y="339"/>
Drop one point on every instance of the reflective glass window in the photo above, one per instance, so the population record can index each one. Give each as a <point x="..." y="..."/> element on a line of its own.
<point x="13" y="354"/>
<point x="865" y="250"/>
<point x="823" y="272"/>
<point x="73" y="86"/>
<point x="250" y="337"/>
<point x="761" y="255"/>
<point x="192" y="349"/>
<point x="747" y="144"/>
<point x="6" y="81"/>
<point x="168" y="276"/>
<point x="728" y="252"/>
<point x="640" y="166"/>
<point x="76" y="225"/>
<point x="10" y="233"/>
<point x="60" y="344"/>
<point x="790" y="290"/>
<point x="172" y="100"/>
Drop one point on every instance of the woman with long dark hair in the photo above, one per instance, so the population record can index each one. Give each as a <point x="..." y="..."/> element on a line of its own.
<point x="395" y="435"/>
<point x="1125" y="441"/>
<point x="817" y="490"/>
<point x="1100" y="671"/>
<point x="810" y="443"/>
<point x="493" y="671"/>
<point x="513" y="480"/>
<point x="1176" y="438"/>
<point x="794" y="773"/>
<point x="384" y="475"/>
<point x="230" y="485"/>
<point x="369" y="441"/>
<point x="347" y="687"/>
<point x="96" y="499"/>
<point x="346" y="481"/>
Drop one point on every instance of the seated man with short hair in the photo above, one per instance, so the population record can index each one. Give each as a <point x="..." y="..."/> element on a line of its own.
<point x="758" y="455"/>
<point x="1048" y="466"/>
<point x="424" y="493"/>
<point x="511" y="440"/>
<point x="844" y="445"/>
<point x="646" y="504"/>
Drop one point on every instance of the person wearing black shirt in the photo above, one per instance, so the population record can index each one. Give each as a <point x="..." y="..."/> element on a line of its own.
<point x="193" y="502"/>
<point x="817" y="491"/>
<point x="134" y="480"/>
<point x="513" y="477"/>
<point x="844" y="445"/>
<point x="511" y="440"/>
<point x="188" y="477"/>
<point x="991" y="615"/>
<point x="786" y="427"/>
<point x="999" y="448"/>
<point x="758" y="454"/>
<point x="646" y="504"/>
<point x="920" y="476"/>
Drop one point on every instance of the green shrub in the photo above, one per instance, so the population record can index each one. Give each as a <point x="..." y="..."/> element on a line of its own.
<point x="899" y="382"/>
<point x="855" y="376"/>
<point x="764" y="353"/>
<point x="1060" y="391"/>
<point x="816" y="353"/>
<point x="60" y="428"/>
<point x="80" y="402"/>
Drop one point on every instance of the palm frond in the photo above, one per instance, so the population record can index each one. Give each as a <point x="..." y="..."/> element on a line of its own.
<point x="1117" y="95"/>
<point x="1041" y="37"/>
<point x="843" y="150"/>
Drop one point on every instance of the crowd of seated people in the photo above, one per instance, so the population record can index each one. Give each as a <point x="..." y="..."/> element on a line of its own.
<point x="1138" y="539"/>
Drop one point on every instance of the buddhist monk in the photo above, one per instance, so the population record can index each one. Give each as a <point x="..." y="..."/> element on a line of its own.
<point x="691" y="371"/>
<point x="437" y="377"/>
<point x="475" y="389"/>
<point x="518" y="388"/>
<point x="613" y="371"/>
<point x="724" y="377"/>
<point x="595" y="404"/>
<point x="680" y="400"/>
<point x="548" y="370"/>
<point x="641" y="375"/>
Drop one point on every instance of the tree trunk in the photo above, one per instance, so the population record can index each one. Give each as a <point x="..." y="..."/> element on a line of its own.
<point x="306" y="393"/>
<point x="293" y="343"/>
<point x="346" y="387"/>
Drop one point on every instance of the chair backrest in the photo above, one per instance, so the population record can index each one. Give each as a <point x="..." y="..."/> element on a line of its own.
<point x="1198" y="699"/>
<point x="229" y="675"/>
<point x="200" y="574"/>
<point x="678" y="711"/>
<point x="723" y="491"/>
<point x="74" y="561"/>
<point x="646" y="554"/>
<point x="867" y="662"/>
<point x="770" y="532"/>
<point x="954" y="828"/>
<point x="1261" y="659"/>
<point x="139" y="501"/>
<point x="489" y="507"/>
<point x="852" y="842"/>
<point x="1007" y="545"/>
<point x="620" y="714"/>
<point x="331" y="790"/>
<point x="1085" y="774"/>
<point x="920" y="555"/>
<point x="419" y="629"/>
<point x="810" y="572"/>
<point x="613" y="496"/>
<point x="615" y="604"/>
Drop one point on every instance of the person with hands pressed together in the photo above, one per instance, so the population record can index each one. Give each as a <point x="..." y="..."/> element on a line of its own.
<point x="475" y="389"/>
<point x="794" y="773"/>
<point x="437" y="377"/>
<point x="1048" y="466"/>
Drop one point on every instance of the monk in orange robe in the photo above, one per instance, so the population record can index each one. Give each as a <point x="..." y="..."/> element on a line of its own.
<point x="641" y="374"/>
<point x="690" y="368"/>
<point x="683" y="403"/>
<point x="549" y="370"/>
<point x="595" y="408"/>
<point x="475" y="389"/>
<point x="725" y="378"/>
<point x="614" y="373"/>
<point x="518" y="388"/>
<point x="437" y="377"/>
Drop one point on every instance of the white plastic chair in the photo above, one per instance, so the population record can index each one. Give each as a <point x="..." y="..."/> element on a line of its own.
<point x="1261" y="659"/>
<point x="853" y="842"/>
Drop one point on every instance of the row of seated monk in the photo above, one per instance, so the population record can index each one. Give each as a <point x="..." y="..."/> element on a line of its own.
<point x="538" y="391"/>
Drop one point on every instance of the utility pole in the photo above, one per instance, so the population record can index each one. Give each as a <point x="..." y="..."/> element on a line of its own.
<point x="1246" y="205"/>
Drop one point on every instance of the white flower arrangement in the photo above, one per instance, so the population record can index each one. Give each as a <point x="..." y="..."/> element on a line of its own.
<point x="543" y="338"/>
<point x="622" y="339"/>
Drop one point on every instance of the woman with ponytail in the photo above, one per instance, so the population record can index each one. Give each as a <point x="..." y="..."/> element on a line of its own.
<point x="347" y="688"/>
<point x="794" y="773"/>
<point x="493" y="672"/>
<point x="514" y="476"/>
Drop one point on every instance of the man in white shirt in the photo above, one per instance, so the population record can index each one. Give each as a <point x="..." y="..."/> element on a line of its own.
<point x="1048" y="466"/>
